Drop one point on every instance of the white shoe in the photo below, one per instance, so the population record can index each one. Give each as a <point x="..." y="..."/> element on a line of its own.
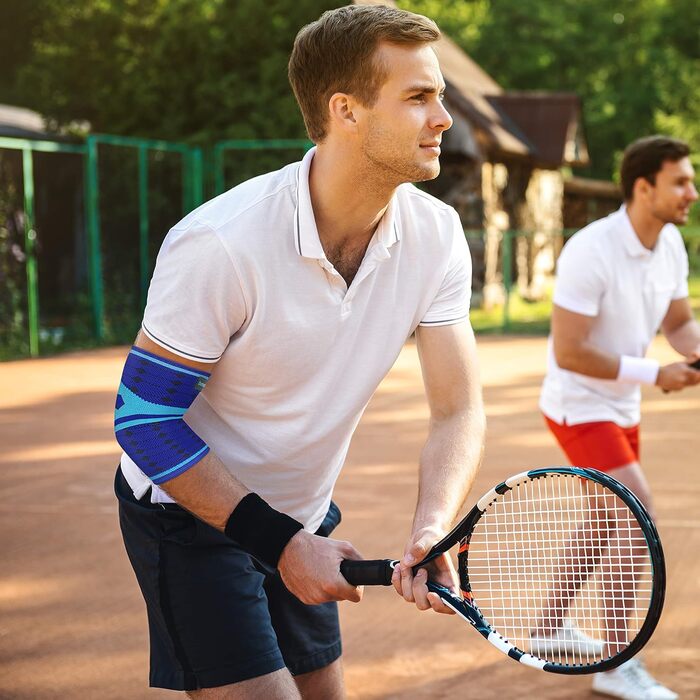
<point x="565" y="640"/>
<point x="631" y="681"/>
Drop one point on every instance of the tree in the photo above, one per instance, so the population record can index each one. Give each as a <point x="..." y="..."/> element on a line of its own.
<point x="634" y="63"/>
<point x="197" y="70"/>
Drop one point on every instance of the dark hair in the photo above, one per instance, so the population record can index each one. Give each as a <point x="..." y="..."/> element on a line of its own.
<point x="645" y="157"/>
<point x="336" y="54"/>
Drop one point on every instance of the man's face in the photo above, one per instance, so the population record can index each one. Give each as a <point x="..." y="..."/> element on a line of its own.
<point x="673" y="193"/>
<point x="401" y="132"/>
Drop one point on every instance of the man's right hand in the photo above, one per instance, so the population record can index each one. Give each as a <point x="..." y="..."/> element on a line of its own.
<point x="677" y="376"/>
<point x="310" y="569"/>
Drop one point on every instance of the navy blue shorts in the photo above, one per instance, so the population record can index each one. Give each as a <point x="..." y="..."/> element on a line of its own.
<point x="215" y="615"/>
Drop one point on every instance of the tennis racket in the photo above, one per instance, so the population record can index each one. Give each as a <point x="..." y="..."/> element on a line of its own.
<point x="560" y="568"/>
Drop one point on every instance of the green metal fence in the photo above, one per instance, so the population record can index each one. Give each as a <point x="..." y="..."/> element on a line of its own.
<point x="203" y="173"/>
<point x="524" y="311"/>
<point x="192" y="196"/>
<point x="285" y="150"/>
<point x="28" y="148"/>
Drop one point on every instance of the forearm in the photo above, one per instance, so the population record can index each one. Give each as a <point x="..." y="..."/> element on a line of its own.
<point x="449" y="462"/>
<point x="584" y="358"/>
<point x="208" y="490"/>
<point x="685" y="339"/>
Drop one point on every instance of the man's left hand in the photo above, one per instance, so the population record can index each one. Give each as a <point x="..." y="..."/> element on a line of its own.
<point x="413" y="589"/>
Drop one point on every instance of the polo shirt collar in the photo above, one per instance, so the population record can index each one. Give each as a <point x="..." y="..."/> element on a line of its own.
<point x="630" y="239"/>
<point x="306" y="239"/>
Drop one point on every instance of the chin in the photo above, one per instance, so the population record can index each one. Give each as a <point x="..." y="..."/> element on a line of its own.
<point x="429" y="172"/>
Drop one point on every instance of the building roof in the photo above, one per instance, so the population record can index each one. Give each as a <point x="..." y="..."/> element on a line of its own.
<point x="587" y="187"/>
<point x="551" y="123"/>
<point x="19" y="122"/>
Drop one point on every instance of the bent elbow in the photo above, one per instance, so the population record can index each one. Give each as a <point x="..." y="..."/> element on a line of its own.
<point x="565" y="358"/>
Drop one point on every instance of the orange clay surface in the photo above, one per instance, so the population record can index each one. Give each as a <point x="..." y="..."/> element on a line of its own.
<point x="72" y="621"/>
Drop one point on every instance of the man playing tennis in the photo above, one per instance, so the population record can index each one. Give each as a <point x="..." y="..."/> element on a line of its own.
<point x="619" y="280"/>
<point x="274" y="312"/>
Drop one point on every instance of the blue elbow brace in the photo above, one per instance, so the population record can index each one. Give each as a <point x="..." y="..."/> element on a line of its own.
<point x="153" y="397"/>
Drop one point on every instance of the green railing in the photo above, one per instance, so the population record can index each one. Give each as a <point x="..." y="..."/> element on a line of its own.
<point x="27" y="147"/>
<point x="203" y="173"/>
<point x="193" y="196"/>
<point x="222" y="147"/>
<point x="519" y="313"/>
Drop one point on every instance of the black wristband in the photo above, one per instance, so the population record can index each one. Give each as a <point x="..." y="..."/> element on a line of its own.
<point x="261" y="530"/>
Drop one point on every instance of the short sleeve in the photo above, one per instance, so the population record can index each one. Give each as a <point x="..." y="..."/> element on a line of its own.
<point x="580" y="282"/>
<point x="451" y="303"/>
<point x="195" y="300"/>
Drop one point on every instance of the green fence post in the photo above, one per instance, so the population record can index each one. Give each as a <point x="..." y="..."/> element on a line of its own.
<point x="208" y="175"/>
<point x="93" y="227"/>
<point x="186" y="183"/>
<point x="30" y="251"/>
<point x="507" y="281"/>
<point x="219" y="177"/>
<point x="143" y="223"/>
<point x="197" y="177"/>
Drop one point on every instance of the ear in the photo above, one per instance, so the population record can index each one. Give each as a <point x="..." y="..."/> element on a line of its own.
<point x="642" y="188"/>
<point x="341" y="108"/>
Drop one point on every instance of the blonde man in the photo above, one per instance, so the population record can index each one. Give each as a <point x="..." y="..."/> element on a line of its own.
<point x="274" y="312"/>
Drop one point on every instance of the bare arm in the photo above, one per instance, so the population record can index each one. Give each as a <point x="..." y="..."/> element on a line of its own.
<point x="309" y="565"/>
<point x="451" y="455"/>
<point x="681" y="329"/>
<point x="572" y="349"/>
<point x="208" y="489"/>
<point x="574" y="352"/>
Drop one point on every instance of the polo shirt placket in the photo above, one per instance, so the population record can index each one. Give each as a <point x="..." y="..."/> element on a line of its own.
<point x="308" y="244"/>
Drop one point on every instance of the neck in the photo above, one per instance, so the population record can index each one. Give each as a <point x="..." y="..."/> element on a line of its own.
<point x="348" y="199"/>
<point x="645" y="224"/>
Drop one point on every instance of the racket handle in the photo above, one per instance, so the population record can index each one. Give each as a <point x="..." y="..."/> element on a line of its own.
<point x="368" y="572"/>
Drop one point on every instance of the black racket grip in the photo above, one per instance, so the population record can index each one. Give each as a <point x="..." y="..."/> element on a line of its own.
<point x="368" y="572"/>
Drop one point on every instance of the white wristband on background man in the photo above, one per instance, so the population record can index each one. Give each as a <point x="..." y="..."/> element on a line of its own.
<point x="638" y="370"/>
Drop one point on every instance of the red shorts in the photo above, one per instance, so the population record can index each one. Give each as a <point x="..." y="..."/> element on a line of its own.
<point x="602" y="445"/>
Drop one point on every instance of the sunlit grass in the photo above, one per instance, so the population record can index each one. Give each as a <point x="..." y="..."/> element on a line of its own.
<point x="533" y="316"/>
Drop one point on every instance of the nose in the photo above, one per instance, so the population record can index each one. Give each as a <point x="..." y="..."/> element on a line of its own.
<point x="441" y="119"/>
<point x="693" y="193"/>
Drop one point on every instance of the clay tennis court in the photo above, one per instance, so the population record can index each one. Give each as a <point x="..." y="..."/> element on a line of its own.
<point x="72" y="622"/>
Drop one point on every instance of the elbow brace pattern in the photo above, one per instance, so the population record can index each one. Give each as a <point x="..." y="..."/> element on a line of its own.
<point x="153" y="397"/>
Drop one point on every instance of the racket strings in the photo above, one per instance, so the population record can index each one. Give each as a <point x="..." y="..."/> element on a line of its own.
<point x="560" y="568"/>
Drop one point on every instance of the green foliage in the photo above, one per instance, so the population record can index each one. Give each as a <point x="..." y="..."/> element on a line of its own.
<point x="204" y="70"/>
<point x="196" y="70"/>
<point x="13" y="276"/>
<point x="634" y="63"/>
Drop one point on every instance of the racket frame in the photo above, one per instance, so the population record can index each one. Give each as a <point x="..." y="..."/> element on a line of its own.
<point x="379" y="571"/>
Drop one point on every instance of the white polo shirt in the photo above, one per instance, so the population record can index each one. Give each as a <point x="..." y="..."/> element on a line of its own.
<point x="243" y="282"/>
<point x="606" y="272"/>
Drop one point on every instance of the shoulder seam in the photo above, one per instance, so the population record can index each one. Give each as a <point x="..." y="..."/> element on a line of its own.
<point x="252" y="204"/>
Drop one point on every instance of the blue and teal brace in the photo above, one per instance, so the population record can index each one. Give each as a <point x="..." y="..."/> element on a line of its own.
<point x="153" y="397"/>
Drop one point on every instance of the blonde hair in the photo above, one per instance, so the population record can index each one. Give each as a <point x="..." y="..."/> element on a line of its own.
<point x="336" y="53"/>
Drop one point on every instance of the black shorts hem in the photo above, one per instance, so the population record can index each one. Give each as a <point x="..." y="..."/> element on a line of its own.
<point x="217" y="677"/>
<point x="316" y="661"/>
